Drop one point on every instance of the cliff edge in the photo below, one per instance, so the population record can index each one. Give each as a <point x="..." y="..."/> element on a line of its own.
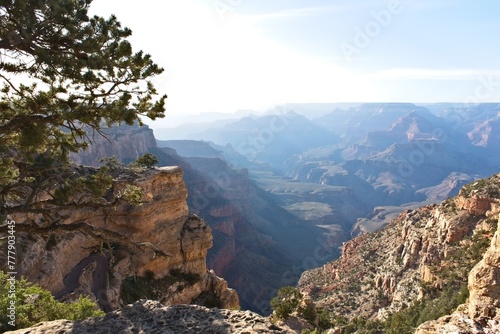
<point x="117" y="255"/>
<point x="147" y="316"/>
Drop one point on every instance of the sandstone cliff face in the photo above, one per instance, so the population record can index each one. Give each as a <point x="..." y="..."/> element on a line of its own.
<point x="95" y="251"/>
<point x="484" y="284"/>
<point x="421" y="251"/>
<point x="476" y="205"/>
<point x="147" y="316"/>
<point x="481" y="313"/>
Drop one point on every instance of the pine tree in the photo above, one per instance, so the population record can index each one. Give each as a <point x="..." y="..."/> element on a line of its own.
<point x="63" y="75"/>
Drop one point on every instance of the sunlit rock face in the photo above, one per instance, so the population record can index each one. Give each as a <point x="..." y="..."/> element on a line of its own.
<point x="91" y="251"/>
<point x="481" y="312"/>
<point x="383" y="272"/>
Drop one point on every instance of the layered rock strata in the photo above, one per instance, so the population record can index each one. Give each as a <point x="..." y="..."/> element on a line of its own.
<point x="93" y="251"/>
<point x="481" y="312"/>
<point x="422" y="250"/>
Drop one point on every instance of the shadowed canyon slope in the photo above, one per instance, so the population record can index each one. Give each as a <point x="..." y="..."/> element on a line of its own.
<point x="387" y="154"/>
<point x="258" y="246"/>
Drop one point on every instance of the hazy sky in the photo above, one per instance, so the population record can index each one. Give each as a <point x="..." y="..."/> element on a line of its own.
<point x="224" y="55"/>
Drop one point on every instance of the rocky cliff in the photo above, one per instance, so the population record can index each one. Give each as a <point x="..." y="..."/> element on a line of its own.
<point x="152" y="317"/>
<point x="481" y="312"/>
<point x="117" y="255"/>
<point x="250" y="249"/>
<point x="419" y="263"/>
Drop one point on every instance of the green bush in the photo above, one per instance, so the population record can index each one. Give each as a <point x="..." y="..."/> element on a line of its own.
<point x="432" y="307"/>
<point x="34" y="304"/>
<point x="286" y="301"/>
<point x="307" y="312"/>
<point x="324" y="319"/>
<point x="315" y="331"/>
<point x="147" y="160"/>
<point x="134" y="288"/>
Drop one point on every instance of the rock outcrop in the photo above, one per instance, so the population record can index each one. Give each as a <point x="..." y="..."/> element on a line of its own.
<point x="250" y="249"/>
<point x="484" y="284"/>
<point x="481" y="313"/>
<point x="476" y="205"/>
<point x="147" y="317"/>
<point x="418" y="255"/>
<point x="110" y="253"/>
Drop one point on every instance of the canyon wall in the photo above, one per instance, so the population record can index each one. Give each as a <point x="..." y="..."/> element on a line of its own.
<point x="481" y="312"/>
<point x="250" y="249"/>
<point x="112" y="253"/>
<point x="126" y="143"/>
<point x="418" y="258"/>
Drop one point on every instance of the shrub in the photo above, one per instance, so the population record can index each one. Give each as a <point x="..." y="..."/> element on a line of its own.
<point x="430" y="308"/>
<point x="34" y="304"/>
<point x="315" y="331"/>
<point x="307" y="312"/>
<point x="112" y="163"/>
<point x="286" y="301"/>
<point x="149" y="287"/>
<point x="147" y="160"/>
<point x="324" y="320"/>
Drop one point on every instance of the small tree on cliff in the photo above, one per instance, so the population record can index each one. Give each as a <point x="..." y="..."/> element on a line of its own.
<point x="147" y="160"/>
<point x="63" y="75"/>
